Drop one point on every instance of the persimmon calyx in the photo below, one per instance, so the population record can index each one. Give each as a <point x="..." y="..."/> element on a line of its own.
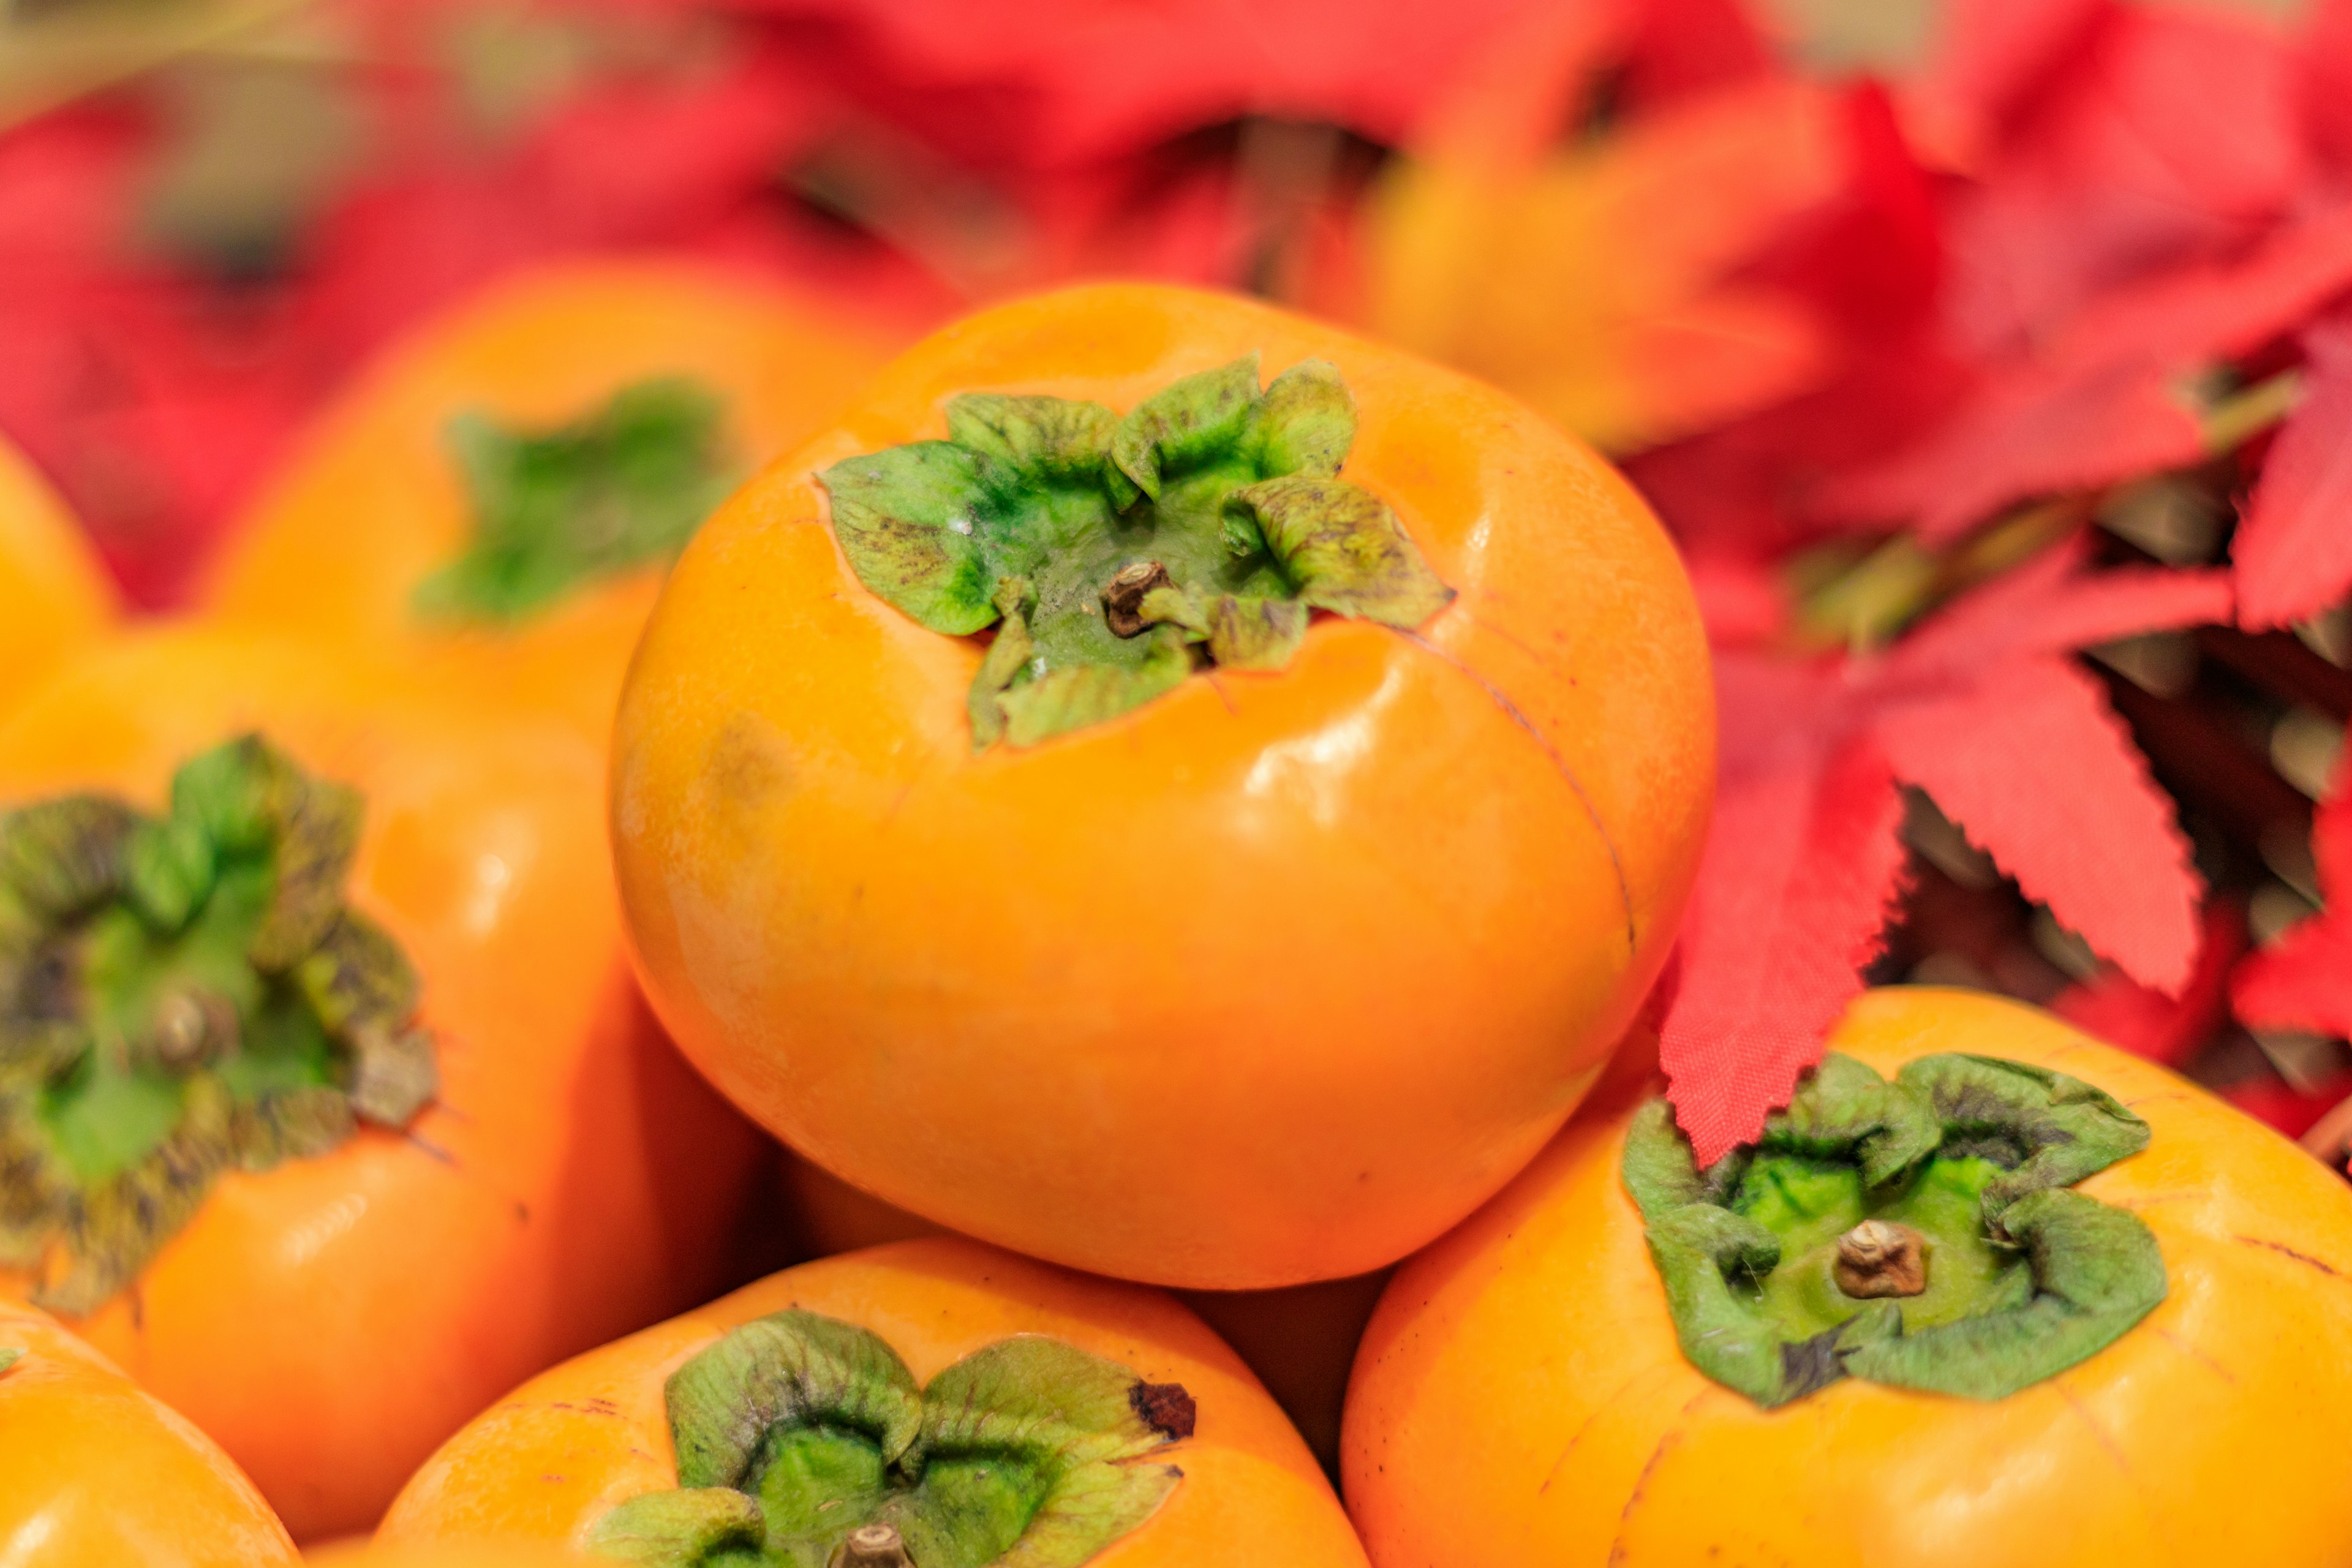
<point x="804" y="1441"/>
<point x="1116" y="554"/>
<point x="623" y="486"/>
<point x="1921" y="1232"/>
<point x="181" y="995"/>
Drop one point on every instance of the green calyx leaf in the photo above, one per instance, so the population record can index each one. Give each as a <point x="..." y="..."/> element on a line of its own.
<point x="1116" y="555"/>
<point x="180" y="995"/>
<point x="796" y="1431"/>
<point x="1921" y="1232"/>
<point x="617" y="489"/>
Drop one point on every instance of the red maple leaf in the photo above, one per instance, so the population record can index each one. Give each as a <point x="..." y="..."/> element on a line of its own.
<point x="2147" y="1023"/>
<point x="2292" y="550"/>
<point x="1982" y="708"/>
<point x="2100" y="401"/>
<point x="1058" y="82"/>
<point x="2303" y="980"/>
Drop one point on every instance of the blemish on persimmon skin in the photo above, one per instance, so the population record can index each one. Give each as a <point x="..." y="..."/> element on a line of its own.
<point x="2280" y="1246"/>
<point x="749" y="763"/>
<point x="1165" y="1408"/>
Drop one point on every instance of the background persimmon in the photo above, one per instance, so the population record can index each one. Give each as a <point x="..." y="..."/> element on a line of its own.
<point x="99" y="1472"/>
<point x="1269" y="979"/>
<point x="496" y="499"/>
<point x="330" y="1317"/>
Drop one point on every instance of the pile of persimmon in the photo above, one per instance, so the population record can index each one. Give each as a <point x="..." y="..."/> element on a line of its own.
<point x="1157" y="786"/>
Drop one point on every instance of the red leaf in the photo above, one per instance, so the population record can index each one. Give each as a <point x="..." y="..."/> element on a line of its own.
<point x="2029" y="433"/>
<point x="1802" y="862"/>
<point x="2290" y="1111"/>
<point x="2326" y="95"/>
<point x="2165" y="135"/>
<point x="2294" y="549"/>
<point x="2037" y="769"/>
<point x="2122" y="1012"/>
<point x="1800" y="867"/>
<point x="2303" y="980"/>
<point x="1994" y="54"/>
<point x="2097" y="404"/>
<point x="1062" y="82"/>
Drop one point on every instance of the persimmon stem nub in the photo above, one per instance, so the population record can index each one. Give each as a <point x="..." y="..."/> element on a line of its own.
<point x="1123" y="598"/>
<point x="1877" y="1259"/>
<point x="873" y="1546"/>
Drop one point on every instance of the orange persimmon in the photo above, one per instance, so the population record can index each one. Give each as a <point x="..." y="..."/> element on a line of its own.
<point x="496" y="500"/>
<point x="99" y="1472"/>
<point x="1082" y="1419"/>
<point x="1233" y="974"/>
<point x="55" y="597"/>
<point x="2150" y="1361"/>
<point x="271" y="902"/>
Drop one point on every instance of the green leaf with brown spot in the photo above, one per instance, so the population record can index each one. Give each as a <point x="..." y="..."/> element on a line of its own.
<point x="1186" y="423"/>
<point x="1306" y="423"/>
<point x="661" y="1530"/>
<point x="907" y="517"/>
<point x="1078" y="694"/>
<point x="1051" y="438"/>
<point x="1344" y="549"/>
<point x="1256" y="633"/>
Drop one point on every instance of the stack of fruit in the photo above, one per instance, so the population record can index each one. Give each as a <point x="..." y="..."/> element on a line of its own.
<point x="1147" y="795"/>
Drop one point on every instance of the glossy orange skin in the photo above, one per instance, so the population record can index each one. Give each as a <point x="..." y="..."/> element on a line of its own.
<point x="551" y="1461"/>
<point x="99" y="1474"/>
<point x="1523" y="1374"/>
<point x="330" y="1320"/>
<point x="450" y="1554"/>
<point x="372" y="504"/>
<point x="55" y="597"/>
<point x="1271" y="980"/>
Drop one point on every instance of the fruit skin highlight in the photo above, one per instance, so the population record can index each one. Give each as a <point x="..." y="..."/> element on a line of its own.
<point x="100" y="1472"/>
<point x="1525" y="1372"/>
<point x="374" y="501"/>
<point x="1270" y="980"/>
<point x="55" y="597"/>
<point x="553" y="1458"/>
<point x="330" y="1319"/>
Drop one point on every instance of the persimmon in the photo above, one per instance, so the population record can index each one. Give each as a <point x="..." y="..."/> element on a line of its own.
<point x="1266" y="889"/>
<point x="937" y="1397"/>
<point x="331" y="1110"/>
<point x="55" y="597"/>
<point x="98" y="1471"/>
<point x="1987" y="1292"/>
<point x="496" y="500"/>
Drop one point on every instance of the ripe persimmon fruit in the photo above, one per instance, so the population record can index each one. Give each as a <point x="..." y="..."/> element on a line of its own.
<point x="332" y="1111"/>
<point x="495" y="500"/>
<point x="1988" y="1291"/>
<point x="99" y="1472"/>
<point x="934" y="1400"/>
<point x="1275" y="877"/>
